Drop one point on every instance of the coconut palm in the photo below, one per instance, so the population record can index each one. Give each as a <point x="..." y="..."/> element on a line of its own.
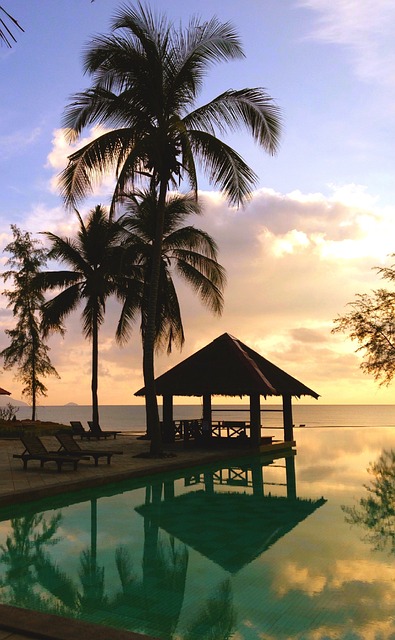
<point x="95" y="275"/>
<point x="187" y="252"/>
<point x="146" y="78"/>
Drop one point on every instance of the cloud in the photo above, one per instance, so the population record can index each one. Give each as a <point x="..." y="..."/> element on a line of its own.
<point x="293" y="262"/>
<point x="364" y="28"/>
<point x="15" y="143"/>
<point x="308" y="336"/>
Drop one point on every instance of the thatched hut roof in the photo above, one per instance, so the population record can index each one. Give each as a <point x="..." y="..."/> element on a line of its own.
<point x="3" y="392"/>
<point x="227" y="367"/>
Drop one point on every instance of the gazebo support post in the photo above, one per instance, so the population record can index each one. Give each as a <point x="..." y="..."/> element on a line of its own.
<point x="257" y="478"/>
<point x="291" y="477"/>
<point x="209" y="482"/>
<point x="168" y="424"/>
<point x="287" y="418"/>
<point x="207" y="416"/>
<point x="255" y="419"/>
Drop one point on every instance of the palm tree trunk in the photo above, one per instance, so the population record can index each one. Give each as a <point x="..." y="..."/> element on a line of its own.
<point x="151" y="403"/>
<point x="34" y="393"/>
<point x="95" y="359"/>
<point x="34" y="385"/>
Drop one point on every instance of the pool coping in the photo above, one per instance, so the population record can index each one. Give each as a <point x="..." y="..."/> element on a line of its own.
<point x="44" y="626"/>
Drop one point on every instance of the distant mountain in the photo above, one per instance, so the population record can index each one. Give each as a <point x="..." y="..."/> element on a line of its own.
<point x="4" y="400"/>
<point x="71" y="404"/>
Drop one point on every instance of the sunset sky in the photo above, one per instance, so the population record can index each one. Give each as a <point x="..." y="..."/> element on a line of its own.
<point x="321" y="217"/>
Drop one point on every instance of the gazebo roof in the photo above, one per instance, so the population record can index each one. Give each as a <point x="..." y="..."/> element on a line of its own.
<point x="3" y="392"/>
<point x="228" y="367"/>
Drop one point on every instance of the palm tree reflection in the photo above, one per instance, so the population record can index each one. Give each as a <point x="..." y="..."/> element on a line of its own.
<point x="375" y="512"/>
<point x="33" y="580"/>
<point x="28" y="564"/>
<point x="156" y="600"/>
<point x="216" y="619"/>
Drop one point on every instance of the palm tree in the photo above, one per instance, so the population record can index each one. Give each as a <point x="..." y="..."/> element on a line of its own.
<point x="146" y="78"/>
<point x="187" y="252"/>
<point x="95" y="258"/>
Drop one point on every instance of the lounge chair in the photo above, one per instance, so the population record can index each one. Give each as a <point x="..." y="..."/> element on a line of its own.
<point x="78" y="430"/>
<point x="36" y="450"/>
<point x="99" y="433"/>
<point x="69" y="446"/>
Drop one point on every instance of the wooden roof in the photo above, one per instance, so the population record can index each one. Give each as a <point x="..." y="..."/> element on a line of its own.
<point x="228" y="367"/>
<point x="3" y="392"/>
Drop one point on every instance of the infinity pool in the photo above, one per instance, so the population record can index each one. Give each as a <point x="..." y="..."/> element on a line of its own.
<point x="297" y="547"/>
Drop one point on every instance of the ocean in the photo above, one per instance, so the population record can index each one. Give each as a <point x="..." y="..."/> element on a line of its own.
<point x="132" y="417"/>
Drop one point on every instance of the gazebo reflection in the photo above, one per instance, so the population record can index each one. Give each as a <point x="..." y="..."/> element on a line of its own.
<point x="230" y="515"/>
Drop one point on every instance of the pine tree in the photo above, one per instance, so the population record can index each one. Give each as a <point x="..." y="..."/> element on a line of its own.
<point x="27" y="350"/>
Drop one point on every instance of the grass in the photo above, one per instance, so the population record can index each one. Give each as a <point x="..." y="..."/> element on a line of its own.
<point x="13" y="428"/>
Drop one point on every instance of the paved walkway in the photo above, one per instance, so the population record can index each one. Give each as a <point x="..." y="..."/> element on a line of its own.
<point x="17" y="485"/>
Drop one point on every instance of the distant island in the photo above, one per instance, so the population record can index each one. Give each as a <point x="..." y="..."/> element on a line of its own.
<point x="71" y="404"/>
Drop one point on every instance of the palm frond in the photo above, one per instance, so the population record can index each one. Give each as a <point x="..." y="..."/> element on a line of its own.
<point x="206" y="279"/>
<point x="196" y="49"/>
<point x="50" y="280"/>
<point x="6" y="35"/>
<point x="191" y="240"/>
<point x="54" y="311"/>
<point x="66" y="250"/>
<point x="253" y="109"/>
<point x="169" y="327"/>
<point x="225" y="168"/>
<point x="93" y="161"/>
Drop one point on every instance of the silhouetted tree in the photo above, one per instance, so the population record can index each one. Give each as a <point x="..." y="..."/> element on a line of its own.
<point x="94" y="258"/>
<point x="27" y="350"/>
<point x="187" y="252"/>
<point x="371" y="322"/>
<point x="147" y="76"/>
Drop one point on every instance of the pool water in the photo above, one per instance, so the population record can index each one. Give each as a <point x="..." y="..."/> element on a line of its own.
<point x="296" y="547"/>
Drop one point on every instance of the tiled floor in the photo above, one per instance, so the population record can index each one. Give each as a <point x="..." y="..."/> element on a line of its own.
<point x="17" y="484"/>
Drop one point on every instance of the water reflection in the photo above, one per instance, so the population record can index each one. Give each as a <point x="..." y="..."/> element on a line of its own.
<point x="216" y="618"/>
<point x="230" y="528"/>
<point x="224" y="514"/>
<point x="375" y="512"/>
<point x="27" y="563"/>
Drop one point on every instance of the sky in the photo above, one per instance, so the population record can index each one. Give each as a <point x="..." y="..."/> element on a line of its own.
<point x="322" y="215"/>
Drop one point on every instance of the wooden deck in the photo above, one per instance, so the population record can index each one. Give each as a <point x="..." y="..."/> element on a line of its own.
<point x="226" y="433"/>
<point x="277" y="445"/>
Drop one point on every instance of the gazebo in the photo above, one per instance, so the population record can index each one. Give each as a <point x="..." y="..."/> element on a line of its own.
<point x="227" y="367"/>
